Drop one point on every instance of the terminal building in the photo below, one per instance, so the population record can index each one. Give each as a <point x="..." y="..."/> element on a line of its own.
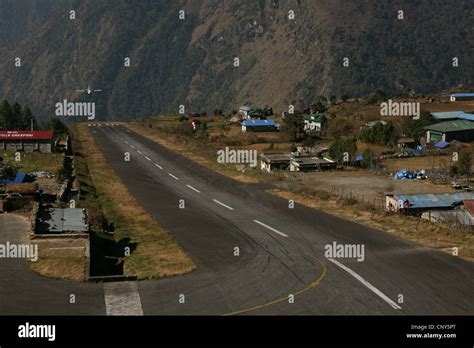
<point x="28" y="141"/>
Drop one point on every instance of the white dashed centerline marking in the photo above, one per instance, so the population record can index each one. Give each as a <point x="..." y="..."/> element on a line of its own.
<point x="126" y="142"/>
<point x="148" y="158"/>
<point x="224" y="205"/>
<point x="174" y="177"/>
<point x="193" y="188"/>
<point x="158" y="165"/>
<point x="270" y="228"/>
<point x="367" y="284"/>
<point x="132" y="146"/>
<point x="139" y="152"/>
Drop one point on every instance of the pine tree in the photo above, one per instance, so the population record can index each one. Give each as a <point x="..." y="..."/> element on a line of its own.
<point x="6" y="116"/>
<point x="27" y="119"/>
<point x="16" y="118"/>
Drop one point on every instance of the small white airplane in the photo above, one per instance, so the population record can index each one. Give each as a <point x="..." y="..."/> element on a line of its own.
<point x="89" y="90"/>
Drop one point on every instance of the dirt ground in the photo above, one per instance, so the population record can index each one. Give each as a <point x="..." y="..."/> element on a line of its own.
<point x="365" y="186"/>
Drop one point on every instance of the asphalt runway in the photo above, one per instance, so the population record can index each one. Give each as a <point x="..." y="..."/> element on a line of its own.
<point x="281" y="249"/>
<point x="281" y="267"/>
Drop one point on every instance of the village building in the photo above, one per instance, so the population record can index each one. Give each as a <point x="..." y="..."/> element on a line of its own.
<point x="271" y="161"/>
<point x="307" y="164"/>
<point x="372" y="124"/>
<point x="259" y="126"/>
<point x="28" y="141"/>
<point x="461" y="130"/>
<point x="416" y="204"/>
<point x="243" y="111"/>
<point x="452" y="115"/>
<point x="314" y="122"/>
<point x="55" y="220"/>
<point x="462" y="214"/>
<point x="406" y="143"/>
<point x="461" y="96"/>
<point x="19" y="196"/>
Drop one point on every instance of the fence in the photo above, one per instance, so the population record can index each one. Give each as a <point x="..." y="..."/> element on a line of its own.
<point x="365" y="199"/>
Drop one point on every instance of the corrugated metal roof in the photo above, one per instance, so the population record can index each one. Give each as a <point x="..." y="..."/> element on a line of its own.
<point x="450" y="216"/>
<point x="462" y="95"/>
<point x="434" y="200"/>
<point x="451" y="126"/>
<point x="64" y="220"/>
<point x="255" y="123"/>
<point x="446" y="115"/>
<point x="469" y="204"/>
<point x="465" y="116"/>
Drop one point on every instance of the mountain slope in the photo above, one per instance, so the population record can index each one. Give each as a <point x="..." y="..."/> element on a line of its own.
<point x="282" y="61"/>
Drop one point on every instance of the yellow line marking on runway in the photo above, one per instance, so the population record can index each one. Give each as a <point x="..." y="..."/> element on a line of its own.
<point x="299" y="292"/>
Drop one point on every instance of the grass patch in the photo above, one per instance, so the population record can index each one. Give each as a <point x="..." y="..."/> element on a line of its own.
<point x="436" y="236"/>
<point x="36" y="161"/>
<point x="154" y="253"/>
<point x="204" y="153"/>
<point x="61" y="258"/>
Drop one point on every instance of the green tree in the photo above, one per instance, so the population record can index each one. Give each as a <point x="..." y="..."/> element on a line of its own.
<point x="321" y="103"/>
<point x="464" y="162"/>
<point x="342" y="145"/>
<point x="8" y="170"/>
<point x="308" y="142"/>
<point x="368" y="158"/>
<point x="53" y="123"/>
<point x="414" y="128"/>
<point x="6" y="116"/>
<point x="27" y="119"/>
<point x="16" y="117"/>
<point x="380" y="134"/>
<point x="340" y="127"/>
<point x="293" y="126"/>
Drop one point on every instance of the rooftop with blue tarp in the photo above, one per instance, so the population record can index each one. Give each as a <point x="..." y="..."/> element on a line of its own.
<point x="446" y="115"/>
<point x="19" y="178"/>
<point x="441" y="144"/>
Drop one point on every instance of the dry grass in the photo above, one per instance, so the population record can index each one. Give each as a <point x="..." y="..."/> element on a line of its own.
<point x="204" y="156"/>
<point x="36" y="161"/>
<point x="157" y="254"/>
<point x="61" y="258"/>
<point x="432" y="235"/>
<point x="417" y="163"/>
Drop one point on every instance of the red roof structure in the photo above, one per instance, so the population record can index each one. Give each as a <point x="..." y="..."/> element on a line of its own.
<point x="469" y="204"/>
<point x="26" y="135"/>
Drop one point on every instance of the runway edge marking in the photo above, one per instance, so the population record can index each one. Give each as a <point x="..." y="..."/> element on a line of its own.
<point x="366" y="283"/>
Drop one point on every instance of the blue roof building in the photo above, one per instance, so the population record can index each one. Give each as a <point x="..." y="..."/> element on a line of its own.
<point x="426" y="201"/>
<point x="461" y="96"/>
<point x="259" y="126"/>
